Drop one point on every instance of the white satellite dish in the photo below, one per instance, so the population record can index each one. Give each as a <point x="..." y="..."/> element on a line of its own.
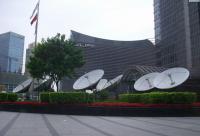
<point x="145" y="82"/>
<point x="89" y="91"/>
<point x="171" y="78"/>
<point x="115" y="80"/>
<point x="100" y="86"/>
<point x="38" y="85"/>
<point x="22" y="86"/>
<point x="88" y="79"/>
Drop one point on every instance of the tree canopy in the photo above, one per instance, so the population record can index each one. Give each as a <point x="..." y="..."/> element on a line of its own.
<point x="55" y="57"/>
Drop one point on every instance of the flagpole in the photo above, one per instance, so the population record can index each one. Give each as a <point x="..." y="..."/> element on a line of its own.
<point x="36" y="32"/>
<point x="36" y="26"/>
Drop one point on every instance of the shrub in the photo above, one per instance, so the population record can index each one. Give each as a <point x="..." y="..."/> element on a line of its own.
<point x="70" y="97"/>
<point x="3" y="97"/>
<point x="183" y="97"/>
<point x="44" y="97"/>
<point x="56" y="98"/>
<point x="89" y="98"/>
<point x="132" y="98"/>
<point x="157" y="97"/>
<point x="124" y="97"/>
<point x="198" y="96"/>
<point x="160" y="97"/>
<point x="103" y="95"/>
<point x="12" y="97"/>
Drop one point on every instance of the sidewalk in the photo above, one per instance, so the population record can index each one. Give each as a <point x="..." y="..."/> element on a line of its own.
<point x="26" y="124"/>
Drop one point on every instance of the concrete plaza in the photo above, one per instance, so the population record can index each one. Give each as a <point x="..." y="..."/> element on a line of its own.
<point x="29" y="124"/>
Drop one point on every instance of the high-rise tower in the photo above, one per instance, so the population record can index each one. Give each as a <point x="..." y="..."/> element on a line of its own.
<point x="11" y="52"/>
<point x="177" y="33"/>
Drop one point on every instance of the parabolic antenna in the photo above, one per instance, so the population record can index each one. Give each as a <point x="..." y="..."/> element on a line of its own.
<point x="42" y="85"/>
<point x="88" y="79"/>
<point x="115" y="80"/>
<point x="171" y="78"/>
<point x="145" y="82"/>
<point x="23" y="86"/>
<point x="100" y="86"/>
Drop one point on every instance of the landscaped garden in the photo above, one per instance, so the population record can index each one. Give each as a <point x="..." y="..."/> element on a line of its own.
<point x="81" y="103"/>
<point x="57" y="57"/>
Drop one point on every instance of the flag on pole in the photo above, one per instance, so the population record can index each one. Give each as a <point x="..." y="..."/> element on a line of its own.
<point x="34" y="19"/>
<point x="34" y="15"/>
<point x="36" y="7"/>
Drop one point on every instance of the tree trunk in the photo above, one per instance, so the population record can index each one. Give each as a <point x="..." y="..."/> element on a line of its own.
<point x="38" y="93"/>
<point x="57" y="85"/>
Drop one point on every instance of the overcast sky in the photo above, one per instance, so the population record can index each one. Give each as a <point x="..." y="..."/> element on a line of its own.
<point x="110" y="19"/>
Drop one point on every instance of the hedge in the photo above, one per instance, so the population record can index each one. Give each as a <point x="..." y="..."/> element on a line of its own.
<point x="44" y="97"/>
<point x="160" y="97"/>
<point x="3" y="97"/>
<point x="102" y="95"/>
<point x="12" y="97"/>
<point x="132" y="98"/>
<point x="198" y="97"/>
<point x="66" y="97"/>
<point x="9" y="97"/>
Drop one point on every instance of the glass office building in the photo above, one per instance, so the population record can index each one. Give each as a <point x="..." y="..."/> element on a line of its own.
<point x="177" y="33"/>
<point x="194" y="16"/>
<point x="11" y="52"/>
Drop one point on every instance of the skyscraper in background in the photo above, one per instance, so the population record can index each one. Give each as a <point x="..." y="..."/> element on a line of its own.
<point x="194" y="16"/>
<point x="177" y="33"/>
<point x="11" y="52"/>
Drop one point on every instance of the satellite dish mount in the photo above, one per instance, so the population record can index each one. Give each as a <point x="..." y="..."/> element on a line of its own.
<point x="170" y="77"/>
<point x="150" y="85"/>
<point x="145" y="82"/>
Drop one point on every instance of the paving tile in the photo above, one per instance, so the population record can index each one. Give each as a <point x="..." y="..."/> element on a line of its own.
<point x="158" y="128"/>
<point x="29" y="124"/>
<point x="113" y="128"/>
<point x="172" y="123"/>
<point x="64" y="125"/>
<point x="5" y="117"/>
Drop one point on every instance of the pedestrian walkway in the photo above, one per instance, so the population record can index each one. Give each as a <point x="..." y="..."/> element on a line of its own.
<point x="28" y="124"/>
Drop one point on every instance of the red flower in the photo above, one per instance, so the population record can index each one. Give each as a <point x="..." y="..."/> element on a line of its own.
<point x="125" y="104"/>
<point x="110" y="104"/>
<point x="26" y="103"/>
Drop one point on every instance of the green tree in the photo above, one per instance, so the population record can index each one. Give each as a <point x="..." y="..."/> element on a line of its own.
<point x="55" y="57"/>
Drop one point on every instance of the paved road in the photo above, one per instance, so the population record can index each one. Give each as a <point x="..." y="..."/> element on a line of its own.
<point x="28" y="124"/>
